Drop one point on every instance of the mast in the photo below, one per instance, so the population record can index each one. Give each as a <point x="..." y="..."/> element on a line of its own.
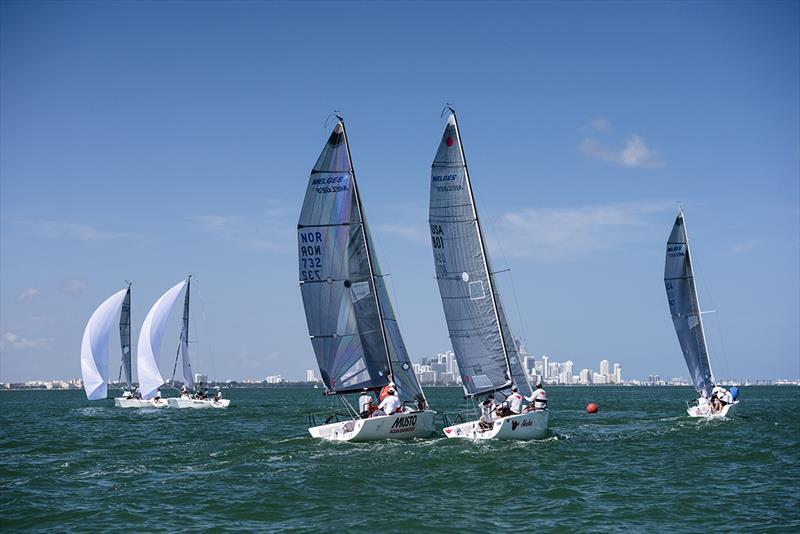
<point x="362" y="222"/>
<point x="483" y="246"/>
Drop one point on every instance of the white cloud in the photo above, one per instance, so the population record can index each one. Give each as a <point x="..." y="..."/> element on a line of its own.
<point x="15" y="341"/>
<point x="73" y="286"/>
<point x="634" y="153"/>
<point x="269" y="230"/>
<point x="746" y="246"/>
<point x="54" y="229"/>
<point x="547" y="234"/>
<point x="598" y="124"/>
<point x="413" y="232"/>
<point x="29" y="293"/>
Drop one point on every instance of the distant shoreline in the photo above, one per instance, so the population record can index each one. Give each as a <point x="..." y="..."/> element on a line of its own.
<point x="301" y="385"/>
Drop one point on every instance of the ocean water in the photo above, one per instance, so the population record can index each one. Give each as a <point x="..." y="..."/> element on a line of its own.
<point x="69" y="465"/>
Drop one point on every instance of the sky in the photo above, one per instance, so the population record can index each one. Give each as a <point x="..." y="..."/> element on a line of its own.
<point x="144" y="141"/>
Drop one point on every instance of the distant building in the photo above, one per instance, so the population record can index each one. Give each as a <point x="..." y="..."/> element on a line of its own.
<point x="311" y="375"/>
<point x="599" y="378"/>
<point x="585" y="376"/>
<point x="274" y="379"/>
<point x="604" y="367"/>
<point x="617" y="373"/>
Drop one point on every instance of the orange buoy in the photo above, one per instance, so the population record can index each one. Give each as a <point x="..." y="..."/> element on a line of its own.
<point x="591" y="408"/>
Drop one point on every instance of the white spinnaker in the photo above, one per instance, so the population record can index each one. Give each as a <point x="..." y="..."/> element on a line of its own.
<point x="94" y="347"/>
<point x="150" y="378"/>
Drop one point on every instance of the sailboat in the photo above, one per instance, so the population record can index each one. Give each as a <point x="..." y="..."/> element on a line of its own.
<point x="94" y="347"/>
<point x="687" y="318"/>
<point x="485" y="349"/>
<point x="351" y="322"/>
<point x="186" y="400"/>
<point x="149" y="346"/>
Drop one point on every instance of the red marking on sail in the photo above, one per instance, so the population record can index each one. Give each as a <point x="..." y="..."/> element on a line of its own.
<point x="448" y="430"/>
<point x="449" y="141"/>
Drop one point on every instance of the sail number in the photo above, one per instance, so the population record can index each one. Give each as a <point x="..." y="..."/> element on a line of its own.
<point x="436" y="236"/>
<point x="310" y="256"/>
<point x="330" y="185"/>
<point x="439" y="258"/>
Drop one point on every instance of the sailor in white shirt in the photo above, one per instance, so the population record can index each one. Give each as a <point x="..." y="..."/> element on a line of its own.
<point x="389" y="405"/>
<point x="365" y="404"/>
<point x="515" y="400"/>
<point x="538" y="398"/>
<point x="488" y="414"/>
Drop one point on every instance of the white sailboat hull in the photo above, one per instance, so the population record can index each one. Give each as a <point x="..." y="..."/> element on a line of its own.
<point x="525" y="426"/>
<point x="198" y="403"/>
<point x="396" y="426"/>
<point x="705" y="411"/>
<point x="122" y="402"/>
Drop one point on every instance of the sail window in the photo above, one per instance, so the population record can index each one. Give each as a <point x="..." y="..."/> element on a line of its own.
<point x="476" y="291"/>
<point x="356" y="373"/>
<point x="481" y="382"/>
<point x="692" y="320"/>
<point x="359" y="290"/>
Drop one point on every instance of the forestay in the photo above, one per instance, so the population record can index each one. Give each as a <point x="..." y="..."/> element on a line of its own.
<point x="350" y="319"/>
<point x="685" y="308"/>
<point x="149" y="345"/>
<point x="479" y="332"/>
<point x="94" y="346"/>
<point x="125" y="337"/>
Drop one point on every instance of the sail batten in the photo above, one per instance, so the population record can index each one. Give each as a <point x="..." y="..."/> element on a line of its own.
<point x="351" y="323"/>
<point x="684" y="307"/>
<point x="94" y="345"/>
<point x="482" y="341"/>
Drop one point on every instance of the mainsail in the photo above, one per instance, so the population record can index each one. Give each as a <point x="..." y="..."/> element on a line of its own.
<point x="94" y="346"/>
<point x="149" y="344"/>
<point x="479" y="332"/>
<point x="685" y="308"/>
<point x="125" y="337"/>
<point x="184" y="344"/>
<point x="351" y="322"/>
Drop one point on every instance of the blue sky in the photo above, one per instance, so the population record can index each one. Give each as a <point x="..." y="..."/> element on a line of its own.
<point x="146" y="140"/>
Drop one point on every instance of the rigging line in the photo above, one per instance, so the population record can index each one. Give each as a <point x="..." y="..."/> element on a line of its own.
<point x="521" y="322"/>
<point x="723" y="351"/>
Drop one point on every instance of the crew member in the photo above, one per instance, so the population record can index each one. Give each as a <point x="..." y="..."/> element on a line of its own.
<point x="365" y="404"/>
<point x="488" y="407"/>
<point x="538" y="398"/>
<point x="218" y="396"/>
<point x="717" y="395"/>
<point x="385" y="391"/>
<point x="389" y="405"/>
<point x="515" y="400"/>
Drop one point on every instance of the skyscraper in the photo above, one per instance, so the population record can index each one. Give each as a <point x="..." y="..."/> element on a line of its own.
<point x="604" y="367"/>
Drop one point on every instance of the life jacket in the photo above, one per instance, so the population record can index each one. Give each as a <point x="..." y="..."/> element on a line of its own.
<point x="384" y="392"/>
<point x="539" y="399"/>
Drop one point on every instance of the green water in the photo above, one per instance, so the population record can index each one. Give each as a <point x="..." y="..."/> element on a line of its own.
<point x="640" y="464"/>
